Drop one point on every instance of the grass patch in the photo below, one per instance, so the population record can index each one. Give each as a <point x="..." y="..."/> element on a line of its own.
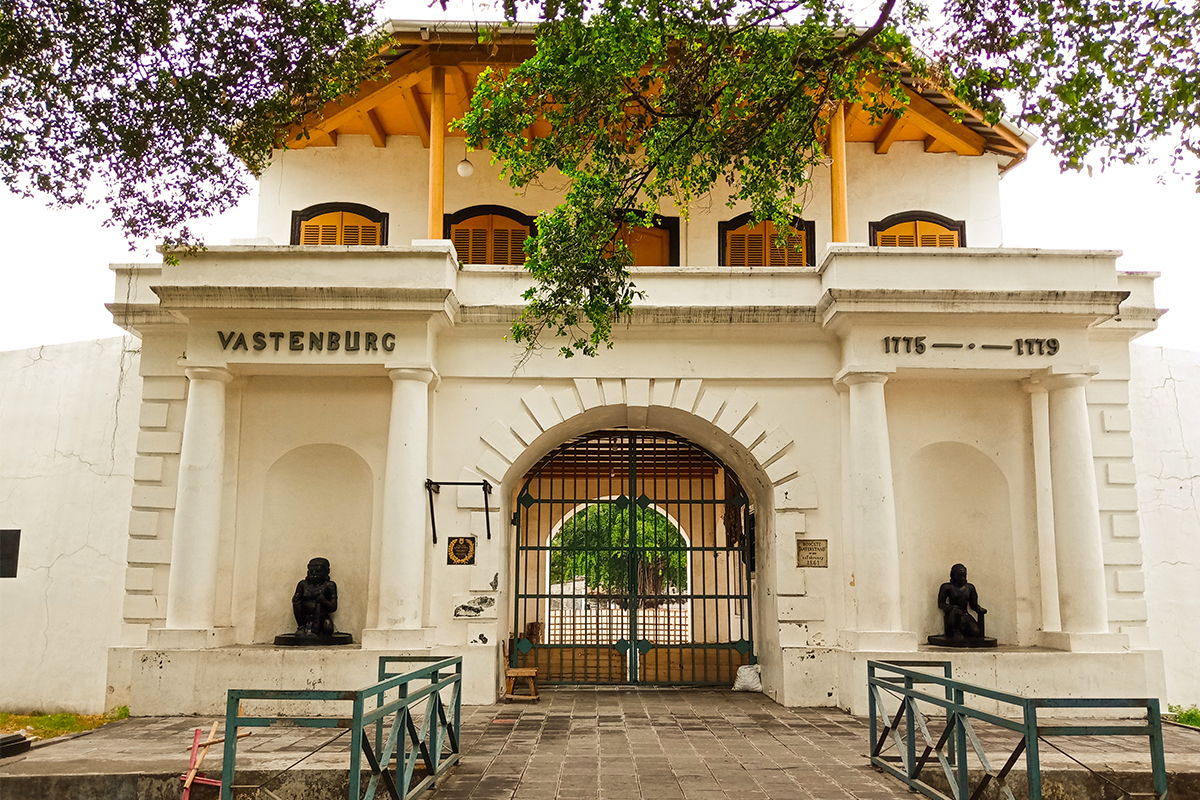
<point x="1186" y="716"/>
<point x="47" y="726"/>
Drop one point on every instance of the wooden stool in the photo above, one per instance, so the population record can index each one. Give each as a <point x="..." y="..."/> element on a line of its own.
<point x="510" y="679"/>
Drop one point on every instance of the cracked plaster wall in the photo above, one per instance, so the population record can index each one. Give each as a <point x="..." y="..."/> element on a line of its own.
<point x="1165" y="405"/>
<point x="68" y="419"/>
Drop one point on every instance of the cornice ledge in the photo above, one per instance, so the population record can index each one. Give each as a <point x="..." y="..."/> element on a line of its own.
<point x="971" y="300"/>
<point x="343" y="298"/>
<point x="136" y="315"/>
<point x="664" y="315"/>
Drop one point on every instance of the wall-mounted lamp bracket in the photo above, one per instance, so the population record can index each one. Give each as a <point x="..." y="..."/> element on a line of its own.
<point x="433" y="487"/>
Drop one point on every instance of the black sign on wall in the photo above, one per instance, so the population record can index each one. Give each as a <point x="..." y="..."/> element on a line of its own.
<point x="10" y="542"/>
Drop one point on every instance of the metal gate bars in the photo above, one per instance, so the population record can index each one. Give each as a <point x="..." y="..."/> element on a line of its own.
<point x="634" y="555"/>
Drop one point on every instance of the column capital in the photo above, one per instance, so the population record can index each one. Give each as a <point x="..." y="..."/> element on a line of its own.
<point x="1034" y="385"/>
<point x="1067" y="377"/>
<point x="422" y="374"/>
<point x="853" y="375"/>
<point x="208" y="374"/>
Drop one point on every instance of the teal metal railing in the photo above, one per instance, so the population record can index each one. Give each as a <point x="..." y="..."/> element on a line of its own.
<point x="904" y="682"/>
<point x="401" y="743"/>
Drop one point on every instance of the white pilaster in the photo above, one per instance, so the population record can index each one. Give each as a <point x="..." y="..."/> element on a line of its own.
<point x="872" y="506"/>
<point x="1039" y="407"/>
<point x="403" y="549"/>
<point x="1083" y="599"/>
<point x="195" y="540"/>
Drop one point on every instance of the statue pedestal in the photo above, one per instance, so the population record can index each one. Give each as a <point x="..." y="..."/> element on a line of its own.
<point x="951" y="641"/>
<point x="296" y="640"/>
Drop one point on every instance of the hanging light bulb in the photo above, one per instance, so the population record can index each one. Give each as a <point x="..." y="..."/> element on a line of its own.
<point x="465" y="168"/>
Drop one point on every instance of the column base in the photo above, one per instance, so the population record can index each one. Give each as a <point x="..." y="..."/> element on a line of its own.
<point x="402" y="639"/>
<point x="189" y="638"/>
<point x="1083" y="642"/>
<point x="875" y="641"/>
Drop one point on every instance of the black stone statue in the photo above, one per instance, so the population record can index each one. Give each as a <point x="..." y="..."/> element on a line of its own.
<point x="955" y="597"/>
<point x="313" y="605"/>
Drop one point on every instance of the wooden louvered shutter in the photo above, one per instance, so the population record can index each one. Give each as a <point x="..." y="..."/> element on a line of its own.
<point x="490" y="239"/>
<point x="340" y="227"/>
<point x="358" y="230"/>
<point x="757" y="247"/>
<point x="322" y="229"/>
<point x="917" y="234"/>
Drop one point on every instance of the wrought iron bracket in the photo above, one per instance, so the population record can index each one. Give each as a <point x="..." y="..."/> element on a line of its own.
<point x="433" y="487"/>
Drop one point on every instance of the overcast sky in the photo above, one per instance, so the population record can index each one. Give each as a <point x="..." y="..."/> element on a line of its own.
<point x="54" y="279"/>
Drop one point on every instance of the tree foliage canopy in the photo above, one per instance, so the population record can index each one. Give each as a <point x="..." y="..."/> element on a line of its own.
<point x="652" y="104"/>
<point x="162" y="104"/>
<point x="594" y="544"/>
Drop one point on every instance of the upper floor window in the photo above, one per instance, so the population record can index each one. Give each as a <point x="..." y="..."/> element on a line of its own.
<point x="339" y="223"/>
<point x="489" y="234"/>
<point x="744" y="245"/>
<point x="655" y="246"/>
<point x="918" y="229"/>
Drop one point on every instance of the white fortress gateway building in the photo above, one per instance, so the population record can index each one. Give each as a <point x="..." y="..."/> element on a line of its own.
<point x="778" y="462"/>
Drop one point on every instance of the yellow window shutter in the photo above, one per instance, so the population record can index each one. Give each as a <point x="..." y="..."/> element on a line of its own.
<point x="490" y="239"/>
<point x="758" y="246"/>
<point x="917" y="234"/>
<point x="340" y="227"/>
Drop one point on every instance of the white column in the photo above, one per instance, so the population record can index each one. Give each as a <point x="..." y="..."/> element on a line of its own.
<point x="191" y="592"/>
<point x="1083" y="599"/>
<point x="1039" y="407"/>
<point x="873" y="518"/>
<point x="403" y="549"/>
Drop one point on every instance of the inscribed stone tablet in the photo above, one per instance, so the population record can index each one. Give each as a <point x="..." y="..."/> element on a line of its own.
<point x="812" y="552"/>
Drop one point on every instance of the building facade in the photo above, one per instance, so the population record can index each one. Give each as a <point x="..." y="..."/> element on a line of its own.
<point x="778" y="463"/>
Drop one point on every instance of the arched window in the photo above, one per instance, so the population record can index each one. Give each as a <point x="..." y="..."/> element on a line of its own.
<point x="918" y="229"/>
<point x="339" y="223"/>
<point x="655" y="246"/>
<point x="488" y="234"/>
<point x="744" y="245"/>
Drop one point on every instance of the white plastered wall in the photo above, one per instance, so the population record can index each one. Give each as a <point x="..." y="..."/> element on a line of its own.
<point x="395" y="179"/>
<point x="67" y="423"/>
<point x="1165" y="401"/>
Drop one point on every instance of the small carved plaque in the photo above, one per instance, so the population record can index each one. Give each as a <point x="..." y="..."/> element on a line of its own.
<point x="460" y="550"/>
<point x="812" y="553"/>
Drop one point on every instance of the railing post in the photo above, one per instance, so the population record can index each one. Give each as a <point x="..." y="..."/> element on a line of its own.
<point x="230" y="749"/>
<point x="871" y="710"/>
<point x="435" y="706"/>
<point x="1157" y="759"/>
<point x="356" y="734"/>
<point x="458" y="691"/>
<point x="960" y="745"/>
<point x="1033" y="763"/>
<point x="909" y="730"/>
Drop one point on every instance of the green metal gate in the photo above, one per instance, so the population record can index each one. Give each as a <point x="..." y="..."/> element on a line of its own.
<point x="634" y="554"/>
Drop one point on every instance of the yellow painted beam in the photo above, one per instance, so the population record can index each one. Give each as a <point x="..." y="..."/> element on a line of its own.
<point x="374" y="129"/>
<point x="837" y="149"/>
<point x="420" y="117"/>
<point x="399" y="77"/>
<point x="437" y="152"/>
<point x="888" y="135"/>
<point x="933" y="121"/>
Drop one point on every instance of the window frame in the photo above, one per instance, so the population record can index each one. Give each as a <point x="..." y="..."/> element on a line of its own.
<point x="959" y="226"/>
<point x="372" y="214"/>
<point x="668" y="224"/>
<point x="806" y="226"/>
<point x="464" y="214"/>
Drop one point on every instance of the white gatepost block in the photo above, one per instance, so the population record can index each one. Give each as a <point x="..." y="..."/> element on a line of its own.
<point x="1083" y="642"/>
<point x="189" y="639"/>
<point x="399" y="638"/>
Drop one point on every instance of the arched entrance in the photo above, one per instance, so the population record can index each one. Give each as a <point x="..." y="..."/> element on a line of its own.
<point x="634" y="553"/>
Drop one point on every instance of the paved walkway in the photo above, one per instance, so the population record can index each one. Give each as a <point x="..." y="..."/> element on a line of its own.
<point x="582" y="744"/>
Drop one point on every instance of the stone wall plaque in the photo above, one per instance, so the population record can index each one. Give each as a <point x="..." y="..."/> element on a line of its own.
<point x="460" y="550"/>
<point x="812" y="553"/>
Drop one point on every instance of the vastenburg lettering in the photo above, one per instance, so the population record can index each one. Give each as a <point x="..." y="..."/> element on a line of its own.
<point x="329" y="341"/>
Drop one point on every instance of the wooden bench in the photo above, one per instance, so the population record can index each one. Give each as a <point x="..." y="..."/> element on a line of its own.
<point x="510" y="680"/>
